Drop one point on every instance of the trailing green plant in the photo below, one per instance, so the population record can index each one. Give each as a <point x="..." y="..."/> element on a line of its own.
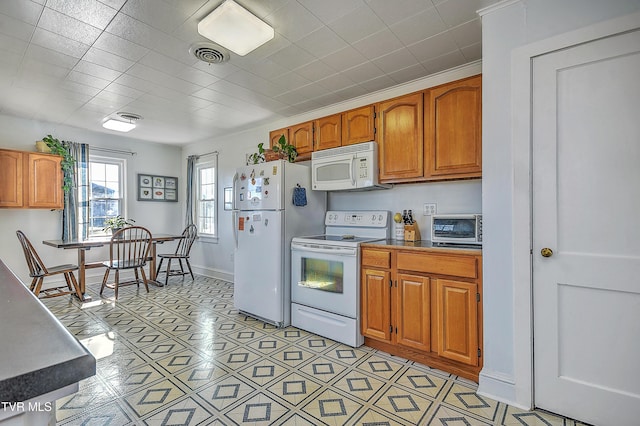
<point x="257" y="157"/>
<point x="285" y="148"/>
<point x="281" y="147"/>
<point x="116" y="222"/>
<point x="68" y="162"/>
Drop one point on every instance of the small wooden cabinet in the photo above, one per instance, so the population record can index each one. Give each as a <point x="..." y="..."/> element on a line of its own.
<point x="301" y="136"/>
<point x="274" y="136"/>
<point x="401" y="138"/>
<point x="328" y="132"/>
<point x="358" y="125"/>
<point x="30" y="180"/>
<point x="453" y="129"/>
<point x="424" y="305"/>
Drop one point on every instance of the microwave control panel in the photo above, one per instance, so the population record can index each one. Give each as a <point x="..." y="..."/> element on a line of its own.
<point x="363" y="170"/>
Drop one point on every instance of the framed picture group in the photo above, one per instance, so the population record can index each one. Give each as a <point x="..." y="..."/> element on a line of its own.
<point x="157" y="188"/>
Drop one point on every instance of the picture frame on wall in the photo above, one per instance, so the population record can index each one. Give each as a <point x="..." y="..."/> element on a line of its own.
<point x="157" y="188"/>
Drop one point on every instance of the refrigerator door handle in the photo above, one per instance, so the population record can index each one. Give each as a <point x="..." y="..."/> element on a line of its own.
<point x="233" y="200"/>
<point x="234" y="218"/>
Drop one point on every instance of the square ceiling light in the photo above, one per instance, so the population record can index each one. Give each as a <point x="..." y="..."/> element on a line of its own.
<point x="119" y="126"/>
<point x="234" y="27"/>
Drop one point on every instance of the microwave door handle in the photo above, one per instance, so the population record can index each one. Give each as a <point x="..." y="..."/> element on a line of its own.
<point x="353" y="171"/>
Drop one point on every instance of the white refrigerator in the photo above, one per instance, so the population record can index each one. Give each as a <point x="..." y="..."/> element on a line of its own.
<point x="265" y="220"/>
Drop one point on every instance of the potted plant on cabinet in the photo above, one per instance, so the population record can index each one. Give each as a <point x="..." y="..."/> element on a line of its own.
<point x="116" y="223"/>
<point x="281" y="150"/>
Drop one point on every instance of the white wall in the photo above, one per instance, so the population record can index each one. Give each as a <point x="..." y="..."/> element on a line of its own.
<point x="507" y="27"/>
<point x="38" y="225"/>
<point x="214" y="258"/>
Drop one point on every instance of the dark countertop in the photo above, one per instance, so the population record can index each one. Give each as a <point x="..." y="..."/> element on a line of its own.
<point x="37" y="353"/>
<point x="424" y="245"/>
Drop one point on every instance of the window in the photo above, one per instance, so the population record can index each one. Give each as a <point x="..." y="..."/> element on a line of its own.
<point x="106" y="194"/>
<point x="206" y="189"/>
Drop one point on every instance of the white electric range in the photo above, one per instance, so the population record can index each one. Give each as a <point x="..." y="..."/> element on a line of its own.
<point x="325" y="274"/>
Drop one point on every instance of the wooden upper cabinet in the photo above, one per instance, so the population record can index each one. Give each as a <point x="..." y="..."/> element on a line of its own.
<point x="30" y="180"/>
<point x="274" y="136"/>
<point x="45" y="181"/>
<point x="301" y="136"/>
<point x="11" y="178"/>
<point x="358" y="125"/>
<point x="453" y="129"/>
<point x="328" y="132"/>
<point x="401" y="138"/>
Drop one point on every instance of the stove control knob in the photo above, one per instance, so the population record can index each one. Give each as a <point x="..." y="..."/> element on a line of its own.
<point x="380" y="218"/>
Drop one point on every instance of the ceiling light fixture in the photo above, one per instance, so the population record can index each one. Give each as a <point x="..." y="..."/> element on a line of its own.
<point x="122" y="126"/>
<point x="235" y="28"/>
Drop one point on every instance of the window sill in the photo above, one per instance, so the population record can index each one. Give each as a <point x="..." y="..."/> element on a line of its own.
<point x="209" y="239"/>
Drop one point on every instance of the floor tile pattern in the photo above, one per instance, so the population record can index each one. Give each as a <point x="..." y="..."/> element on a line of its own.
<point x="182" y="355"/>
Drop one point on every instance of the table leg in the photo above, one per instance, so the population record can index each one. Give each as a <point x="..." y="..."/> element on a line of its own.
<point x="152" y="265"/>
<point x="82" y="276"/>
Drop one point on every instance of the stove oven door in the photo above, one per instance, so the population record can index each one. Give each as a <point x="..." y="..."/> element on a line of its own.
<point x="325" y="277"/>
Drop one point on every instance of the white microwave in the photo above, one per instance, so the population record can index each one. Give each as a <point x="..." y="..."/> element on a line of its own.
<point x="456" y="229"/>
<point x="347" y="168"/>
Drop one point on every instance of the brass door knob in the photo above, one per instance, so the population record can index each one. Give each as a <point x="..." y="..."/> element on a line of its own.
<point x="546" y="252"/>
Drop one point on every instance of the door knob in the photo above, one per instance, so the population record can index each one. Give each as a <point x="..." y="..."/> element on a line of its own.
<point x="546" y="252"/>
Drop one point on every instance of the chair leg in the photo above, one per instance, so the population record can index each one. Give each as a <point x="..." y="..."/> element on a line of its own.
<point x="181" y="267"/>
<point x="135" y="273"/>
<point x="33" y="284"/>
<point x="36" y="290"/>
<point x="144" y="279"/>
<point x="117" y="281"/>
<point x="166" y="277"/>
<point x="76" y="287"/>
<point x="159" y="265"/>
<point x="189" y="266"/>
<point x="104" y="280"/>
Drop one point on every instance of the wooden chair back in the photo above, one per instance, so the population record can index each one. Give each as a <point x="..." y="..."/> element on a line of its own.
<point x="189" y="235"/>
<point x="36" y="266"/>
<point x="129" y="248"/>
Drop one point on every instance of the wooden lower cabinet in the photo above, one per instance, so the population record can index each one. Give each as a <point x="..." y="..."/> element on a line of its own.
<point x="430" y="317"/>
<point x="376" y="304"/>
<point x="413" y="316"/>
<point x="457" y="324"/>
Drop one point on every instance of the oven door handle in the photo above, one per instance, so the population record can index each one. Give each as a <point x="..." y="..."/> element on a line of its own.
<point x="338" y="251"/>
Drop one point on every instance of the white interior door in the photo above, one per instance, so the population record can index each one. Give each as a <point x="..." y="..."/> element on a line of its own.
<point x="586" y="209"/>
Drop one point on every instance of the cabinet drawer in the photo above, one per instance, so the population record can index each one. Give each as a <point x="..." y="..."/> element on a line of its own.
<point x="457" y="266"/>
<point x="376" y="258"/>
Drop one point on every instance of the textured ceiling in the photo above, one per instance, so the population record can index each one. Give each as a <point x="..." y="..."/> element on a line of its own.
<point x="77" y="62"/>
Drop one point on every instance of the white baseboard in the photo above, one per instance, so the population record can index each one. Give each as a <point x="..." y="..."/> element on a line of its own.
<point x="212" y="273"/>
<point x="500" y="387"/>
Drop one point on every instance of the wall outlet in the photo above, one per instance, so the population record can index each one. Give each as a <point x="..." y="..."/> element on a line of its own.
<point x="429" y="209"/>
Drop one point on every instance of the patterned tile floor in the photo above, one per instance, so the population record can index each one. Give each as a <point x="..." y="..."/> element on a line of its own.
<point x="182" y="355"/>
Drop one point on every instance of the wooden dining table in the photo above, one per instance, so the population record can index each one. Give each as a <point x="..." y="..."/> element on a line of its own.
<point x="82" y="246"/>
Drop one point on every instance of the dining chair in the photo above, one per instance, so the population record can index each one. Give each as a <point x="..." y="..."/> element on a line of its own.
<point x="38" y="271"/>
<point x="128" y="250"/>
<point x="183" y="249"/>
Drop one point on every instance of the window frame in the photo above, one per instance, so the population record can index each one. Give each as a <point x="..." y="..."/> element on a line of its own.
<point x="199" y="166"/>
<point x="122" y="165"/>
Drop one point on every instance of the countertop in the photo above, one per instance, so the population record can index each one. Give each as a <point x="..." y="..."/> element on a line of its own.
<point x="424" y="245"/>
<point x="38" y="355"/>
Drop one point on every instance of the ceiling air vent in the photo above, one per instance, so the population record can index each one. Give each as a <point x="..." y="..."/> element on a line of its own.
<point x="209" y="53"/>
<point x="129" y="116"/>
